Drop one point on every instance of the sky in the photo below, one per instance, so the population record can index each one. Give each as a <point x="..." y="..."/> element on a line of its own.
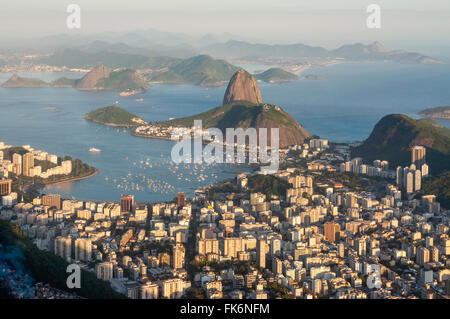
<point x="407" y="24"/>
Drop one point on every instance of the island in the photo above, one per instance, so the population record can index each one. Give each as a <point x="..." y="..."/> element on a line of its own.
<point x="16" y="81"/>
<point x="439" y="112"/>
<point x="100" y="78"/>
<point x="114" y="116"/>
<point x="275" y="75"/>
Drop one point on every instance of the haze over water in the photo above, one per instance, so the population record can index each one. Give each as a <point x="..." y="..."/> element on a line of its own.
<point x="344" y="106"/>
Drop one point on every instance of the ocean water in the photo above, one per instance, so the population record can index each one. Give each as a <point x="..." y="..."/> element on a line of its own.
<point x="344" y="106"/>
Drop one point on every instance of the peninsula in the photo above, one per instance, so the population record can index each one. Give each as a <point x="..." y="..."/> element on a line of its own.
<point x="439" y="112"/>
<point x="114" y="116"/>
<point x="242" y="107"/>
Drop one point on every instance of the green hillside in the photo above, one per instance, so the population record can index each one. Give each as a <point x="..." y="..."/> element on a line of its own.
<point x="48" y="268"/>
<point x="276" y="75"/>
<point x="246" y="114"/>
<point x="199" y="70"/>
<point x="159" y="62"/>
<point x="122" y="80"/>
<point x="114" y="116"/>
<point x="439" y="186"/>
<point x="394" y="135"/>
<point x="63" y="82"/>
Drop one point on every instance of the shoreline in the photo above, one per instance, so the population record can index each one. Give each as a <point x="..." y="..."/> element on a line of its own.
<point x="133" y="133"/>
<point x="112" y="124"/>
<point x="73" y="179"/>
<point x="436" y="117"/>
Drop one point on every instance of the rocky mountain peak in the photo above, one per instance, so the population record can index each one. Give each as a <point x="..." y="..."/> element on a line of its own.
<point x="242" y="87"/>
<point x="90" y="79"/>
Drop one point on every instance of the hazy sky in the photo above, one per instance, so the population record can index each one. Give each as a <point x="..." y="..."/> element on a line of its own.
<point x="408" y="24"/>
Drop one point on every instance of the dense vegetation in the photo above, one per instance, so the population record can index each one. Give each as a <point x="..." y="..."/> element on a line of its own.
<point x="272" y="186"/>
<point x="48" y="268"/>
<point x="113" y="115"/>
<point x="64" y="82"/>
<point x="242" y="114"/>
<point x="199" y="70"/>
<point x="393" y="136"/>
<point x="276" y="75"/>
<point x="8" y="152"/>
<point x="349" y="179"/>
<point x="439" y="186"/>
<point x="224" y="187"/>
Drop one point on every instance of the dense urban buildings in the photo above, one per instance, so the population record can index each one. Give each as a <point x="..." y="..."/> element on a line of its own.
<point x="318" y="238"/>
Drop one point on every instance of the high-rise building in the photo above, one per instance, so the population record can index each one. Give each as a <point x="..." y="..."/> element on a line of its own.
<point x="360" y="245"/>
<point x="275" y="246"/>
<point x="277" y="266"/>
<point x="207" y="246"/>
<point x="17" y="162"/>
<point x="424" y="170"/>
<point x="104" y="270"/>
<point x="149" y="291"/>
<point x="341" y="250"/>
<point x="330" y="229"/>
<point x="178" y="254"/>
<point x="63" y="247"/>
<point x="28" y="163"/>
<point x="181" y="199"/>
<point x="83" y="249"/>
<point x="261" y="253"/>
<point x="409" y="184"/>
<point x="126" y="204"/>
<point x="5" y="187"/>
<point x="174" y="288"/>
<point x="418" y="156"/>
<point x="233" y="245"/>
<point x="417" y="180"/>
<point x="350" y="200"/>
<point x="52" y="200"/>
<point x="399" y="176"/>
<point x="422" y="255"/>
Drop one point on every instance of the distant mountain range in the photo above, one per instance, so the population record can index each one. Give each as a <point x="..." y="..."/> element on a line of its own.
<point x="395" y="134"/>
<point x="78" y="59"/>
<point x="354" y="52"/>
<point x="123" y="55"/>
